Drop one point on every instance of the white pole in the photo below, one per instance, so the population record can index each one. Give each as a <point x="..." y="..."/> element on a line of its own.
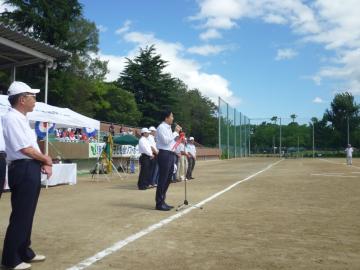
<point x="13" y="74"/>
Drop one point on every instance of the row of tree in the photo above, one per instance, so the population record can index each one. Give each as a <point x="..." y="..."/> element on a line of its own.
<point x="136" y="98"/>
<point x="340" y="123"/>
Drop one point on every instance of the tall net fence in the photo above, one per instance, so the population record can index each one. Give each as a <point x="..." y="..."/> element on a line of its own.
<point x="234" y="131"/>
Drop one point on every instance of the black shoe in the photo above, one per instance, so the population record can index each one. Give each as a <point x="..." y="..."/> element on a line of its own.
<point x="142" y="188"/>
<point x="162" y="208"/>
<point x="192" y="177"/>
<point x="169" y="206"/>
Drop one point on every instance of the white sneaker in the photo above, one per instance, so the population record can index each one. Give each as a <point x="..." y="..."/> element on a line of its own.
<point x="22" y="266"/>
<point x="38" y="258"/>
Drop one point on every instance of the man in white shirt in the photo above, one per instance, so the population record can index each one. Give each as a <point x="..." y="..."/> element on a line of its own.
<point x="145" y="160"/>
<point x="191" y="158"/>
<point x="24" y="176"/>
<point x="182" y="162"/>
<point x="2" y="160"/>
<point x="349" y="153"/>
<point x="154" y="163"/>
<point x="165" y="142"/>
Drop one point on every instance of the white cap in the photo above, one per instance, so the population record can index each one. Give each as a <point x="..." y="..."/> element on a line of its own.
<point x="152" y="129"/>
<point x="191" y="138"/>
<point x="20" y="87"/>
<point x="145" y="130"/>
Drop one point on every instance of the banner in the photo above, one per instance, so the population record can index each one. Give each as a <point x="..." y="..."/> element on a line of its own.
<point x="40" y="129"/>
<point x="95" y="149"/>
<point x="126" y="151"/>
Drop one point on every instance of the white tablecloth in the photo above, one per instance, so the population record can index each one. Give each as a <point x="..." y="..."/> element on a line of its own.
<point x="61" y="174"/>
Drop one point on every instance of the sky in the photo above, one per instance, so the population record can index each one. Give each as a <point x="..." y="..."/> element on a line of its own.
<point x="265" y="57"/>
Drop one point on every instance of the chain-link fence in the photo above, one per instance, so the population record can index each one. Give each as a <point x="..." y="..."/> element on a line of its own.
<point x="302" y="137"/>
<point x="234" y="131"/>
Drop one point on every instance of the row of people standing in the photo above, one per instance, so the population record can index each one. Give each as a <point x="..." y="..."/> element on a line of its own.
<point x="149" y="168"/>
<point x="185" y="160"/>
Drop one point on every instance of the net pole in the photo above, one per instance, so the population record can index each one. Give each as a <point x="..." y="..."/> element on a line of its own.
<point x="219" y="122"/>
<point x="235" y="153"/>
<point x="280" y="145"/>
<point x="228" y="131"/>
<point x="313" y="139"/>
<point x="241" y="151"/>
<point x="249" y="137"/>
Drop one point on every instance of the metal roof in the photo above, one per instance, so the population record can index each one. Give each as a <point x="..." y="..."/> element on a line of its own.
<point x="18" y="48"/>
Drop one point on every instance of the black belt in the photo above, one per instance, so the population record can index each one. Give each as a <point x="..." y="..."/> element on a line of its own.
<point x="162" y="150"/>
<point x="2" y="154"/>
<point x="19" y="161"/>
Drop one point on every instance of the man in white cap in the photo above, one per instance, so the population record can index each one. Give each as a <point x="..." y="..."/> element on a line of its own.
<point x="145" y="160"/>
<point x="191" y="158"/>
<point x="154" y="163"/>
<point x="26" y="162"/>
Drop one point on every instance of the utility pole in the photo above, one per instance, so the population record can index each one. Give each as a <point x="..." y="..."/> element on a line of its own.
<point x="313" y="131"/>
<point x="280" y="150"/>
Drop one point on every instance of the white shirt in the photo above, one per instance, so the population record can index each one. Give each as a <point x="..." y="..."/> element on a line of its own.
<point x="152" y="141"/>
<point x="180" y="148"/>
<point x="18" y="135"/>
<point x="349" y="151"/>
<point x="165" y="138"/>
<point x="144" y="146"/>
<point x="191" y="149"/>
<point x="2" y="141"/>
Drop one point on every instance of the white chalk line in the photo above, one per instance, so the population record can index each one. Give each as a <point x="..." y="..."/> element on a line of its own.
<point x="122" y="243"/>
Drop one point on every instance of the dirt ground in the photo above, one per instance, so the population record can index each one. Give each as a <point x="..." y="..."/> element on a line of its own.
<point x="300" y="214"/>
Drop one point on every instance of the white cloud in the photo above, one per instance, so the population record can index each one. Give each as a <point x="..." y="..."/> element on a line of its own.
<point x="276" y="19"/>
<point x="101" y="28"/>
<point x="5" y="7"/>
<point x="206" y="50"/>
<point x="210" y="34"/>
<point x="333" y="24"/>
<point x="318" y="100"/>
<point x="285" y="54"/>
<point x="116" y="65"/>
<point x="125" y="28"/>
<point x="188" y="70"/>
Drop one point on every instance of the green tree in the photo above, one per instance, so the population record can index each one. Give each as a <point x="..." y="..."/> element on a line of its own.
<point x="116" y="105"/>
<point x="61" y="23"/>
<point x="153" y="89"/>
<point x="343" y="108"/>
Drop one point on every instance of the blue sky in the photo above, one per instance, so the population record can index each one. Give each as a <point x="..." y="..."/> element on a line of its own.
<point x="265" y="57"/>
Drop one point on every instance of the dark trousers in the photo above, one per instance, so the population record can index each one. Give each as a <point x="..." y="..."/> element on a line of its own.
<point x="191" y="165"/>
<point x="145" y="171"/>
<point x="25" y="183"/>
<point x="166" y="169"/>
<point x="2" y="174"/>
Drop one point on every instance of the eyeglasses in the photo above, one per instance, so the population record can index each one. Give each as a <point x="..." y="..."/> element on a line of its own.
<point x="30" y="95"/>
